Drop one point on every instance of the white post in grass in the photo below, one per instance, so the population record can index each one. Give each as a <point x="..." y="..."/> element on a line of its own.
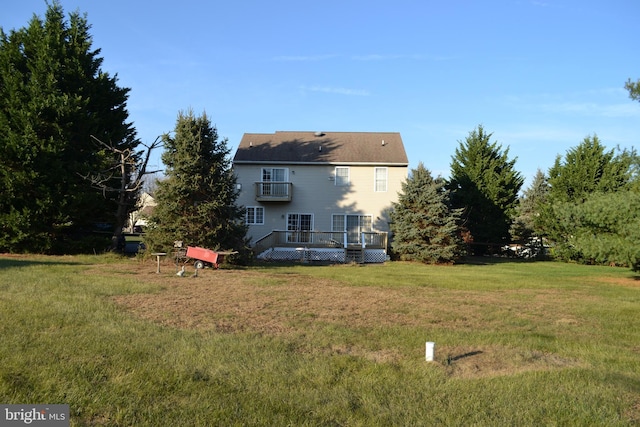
<point x="430" y="351"/>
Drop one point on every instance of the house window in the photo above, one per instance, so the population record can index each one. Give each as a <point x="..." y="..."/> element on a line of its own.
<point x="299" y="227"/>
<point x="272" y="179"/>
<point x="380" y="184"/>
<point x="342" y="175"/>
<point x="254" y="215"/>
<point x="353" y="225"/>
<point x="337" y="228"/>
<point x="274" y="174"/>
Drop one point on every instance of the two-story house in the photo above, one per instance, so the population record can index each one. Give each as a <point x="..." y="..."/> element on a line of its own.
<point x="320" y="196"/>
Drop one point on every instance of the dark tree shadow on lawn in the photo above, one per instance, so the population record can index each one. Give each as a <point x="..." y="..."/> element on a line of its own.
<point x="7" y="261"/>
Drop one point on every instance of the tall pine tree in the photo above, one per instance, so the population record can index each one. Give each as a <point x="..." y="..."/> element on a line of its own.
<point x="424" y="226"/>
<point x="586" y="170"/>
<point x="196" y="200"/>
<point x="485" y="184"/>
<point x="53" y="97"/>
<point x="589" y="168"/>
<point x="524" y="225"/>
<point x="605" y="228"/>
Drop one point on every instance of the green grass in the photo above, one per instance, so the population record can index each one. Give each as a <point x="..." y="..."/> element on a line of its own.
<point x="64" y="340"/>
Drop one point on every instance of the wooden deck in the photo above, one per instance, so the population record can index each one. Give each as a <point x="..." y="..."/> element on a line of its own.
<point x="323" y="246"/>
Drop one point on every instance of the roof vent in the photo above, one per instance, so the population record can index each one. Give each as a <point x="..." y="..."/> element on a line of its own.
<point x="383" y="143"/>
<point x="319" y="134"/>
<point x="320" y="148"/>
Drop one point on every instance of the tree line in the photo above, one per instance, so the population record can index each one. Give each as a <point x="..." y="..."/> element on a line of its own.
<point x="585" y="208"/>
<point x="72" y="162"/>
<point x="72" y="165"/>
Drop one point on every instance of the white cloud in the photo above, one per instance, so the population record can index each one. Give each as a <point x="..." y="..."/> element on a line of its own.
<point x="304" y="58"/>
<point x="364" y="57"/>
<point x="338" y="90"/>
<point x="375" y="57"/>
<point x="592" y="103"/>
<point x="391" y="57"/>
<point x="528" y="134"/>
<point x="592" y="109"/>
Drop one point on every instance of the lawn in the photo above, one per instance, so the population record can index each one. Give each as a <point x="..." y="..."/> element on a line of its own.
<point x="517" y="343"/>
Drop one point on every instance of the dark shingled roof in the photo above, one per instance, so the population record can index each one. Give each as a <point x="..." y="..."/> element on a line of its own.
<point x="322" y="147"/>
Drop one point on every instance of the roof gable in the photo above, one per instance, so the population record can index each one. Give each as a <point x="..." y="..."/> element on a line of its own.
<point x="319" y="147"/>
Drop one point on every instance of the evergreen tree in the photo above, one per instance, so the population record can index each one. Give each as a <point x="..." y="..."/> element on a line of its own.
<point x="485" y="183"/>
<point x="424" y="226"/>
<point x="595" y="213"/>
<point x="605" y="228"/>
<point x="588" y="168"/>
<point x="53" y="97"/>
<point x="196" y="200"/>
<point x="523" y="229"/>
<point x="634" y="89"/>
<point x="584" y="171"/>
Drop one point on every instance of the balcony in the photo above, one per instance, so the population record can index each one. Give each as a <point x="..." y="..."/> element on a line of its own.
<point x="273" y="191"/>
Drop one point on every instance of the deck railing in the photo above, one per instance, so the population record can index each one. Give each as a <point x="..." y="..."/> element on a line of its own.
<point x="320" y="239"/>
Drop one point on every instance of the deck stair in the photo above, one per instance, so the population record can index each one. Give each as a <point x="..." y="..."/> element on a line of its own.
<point x="354" y="254"/>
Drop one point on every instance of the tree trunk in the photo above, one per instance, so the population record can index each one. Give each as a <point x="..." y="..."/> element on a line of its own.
<point x="118" y="241"/>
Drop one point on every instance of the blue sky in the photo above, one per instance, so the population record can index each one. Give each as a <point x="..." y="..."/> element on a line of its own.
<point x="540" y="75"/>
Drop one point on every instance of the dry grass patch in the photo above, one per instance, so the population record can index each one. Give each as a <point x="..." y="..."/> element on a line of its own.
<point x="630" y="282"/>
<point x="491" y="361"/>
<point x="237" y="300"/>
<point x="292" y="305"/>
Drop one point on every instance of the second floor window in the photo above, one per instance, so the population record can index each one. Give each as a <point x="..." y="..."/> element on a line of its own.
<point x="380" y="184"/>
<point x="342" y="175"/>
<point x="272" y="182"/>
<point x="274" y="174"/>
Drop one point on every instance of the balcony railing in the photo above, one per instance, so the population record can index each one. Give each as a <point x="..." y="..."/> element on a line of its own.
<point x="273" y="191"/>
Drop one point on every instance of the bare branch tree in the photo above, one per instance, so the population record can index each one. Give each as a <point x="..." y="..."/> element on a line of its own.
<point x="130" y="168"/>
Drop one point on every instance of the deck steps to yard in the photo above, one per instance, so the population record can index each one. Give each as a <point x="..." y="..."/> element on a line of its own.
<point x="354" y="255"/>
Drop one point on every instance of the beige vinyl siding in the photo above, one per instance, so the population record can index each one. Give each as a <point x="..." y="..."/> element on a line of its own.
<point x="315" y="192"/>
